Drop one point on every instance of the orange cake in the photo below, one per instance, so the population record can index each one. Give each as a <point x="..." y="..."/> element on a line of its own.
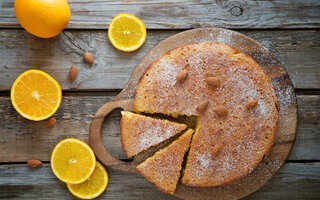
<point x="233" y="99"/>
<point x="163" y="168"/>
<point x="139" y="132"/>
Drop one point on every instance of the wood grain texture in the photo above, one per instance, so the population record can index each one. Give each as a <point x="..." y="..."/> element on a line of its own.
<point x="22" y="139"/>
<point x="293" y="181"/>
<point x="306" y="145"/>
<point x="298" y="51"/>
<point x="182" y="14"/>
<point x="22" y="182"/>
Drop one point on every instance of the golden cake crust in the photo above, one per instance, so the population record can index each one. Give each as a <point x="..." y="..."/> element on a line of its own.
<point x="163" y="168"/>
<point x="139" y="132"/>
<point x="238" y="123"/>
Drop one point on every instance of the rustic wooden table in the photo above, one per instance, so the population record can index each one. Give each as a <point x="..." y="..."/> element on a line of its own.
<point x="289" y="29"/>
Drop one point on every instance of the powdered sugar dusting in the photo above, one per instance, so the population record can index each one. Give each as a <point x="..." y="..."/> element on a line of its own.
<point x="158" y="134"/>
<point x="139" y="132"/>
<point x="246" y="134"/>
<point x="284" y="93"/>
<point x="285" y="97"/>
<point x="204" y="159"/>
<point x="163" y="168"/>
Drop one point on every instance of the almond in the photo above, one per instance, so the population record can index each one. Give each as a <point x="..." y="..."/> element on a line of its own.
<point x="202" y="106"/>
<point x="252" y="103"/>
<point x="73" y="73"/>
<point x="182" y="76"/>
<point x="50" y="122"/>
<point x="88" y="57"/>
<point x="213" y="81"/>
<point x="34" y="163"/>
<point x="216" y="149"/>
<point x="221" y="111"/>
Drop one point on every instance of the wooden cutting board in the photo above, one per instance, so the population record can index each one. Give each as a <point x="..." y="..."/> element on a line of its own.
<point x="287" y="120"/>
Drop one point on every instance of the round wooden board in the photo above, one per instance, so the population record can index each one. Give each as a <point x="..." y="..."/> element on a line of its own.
<point x="287" y="120"/>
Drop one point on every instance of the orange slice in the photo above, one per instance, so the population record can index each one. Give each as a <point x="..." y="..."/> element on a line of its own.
<point x="72" y="161"/>
<point x="36" y="95"/>
<point x="93" y="187"/>
<point x="127" y="32"/>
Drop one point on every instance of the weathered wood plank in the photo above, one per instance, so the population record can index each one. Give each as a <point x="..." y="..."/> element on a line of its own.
<point x="293" y="181"/>
<point x="21" y="182"/>
<point x="181" y="14"/>
<point x="308" y="134"/>
<point x="297" y="50"/>
<point x="22" y="139"/>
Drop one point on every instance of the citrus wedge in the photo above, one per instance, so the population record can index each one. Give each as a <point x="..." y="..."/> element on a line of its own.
<point x="36" y="95"/>
<point x="72" y="161"/>
<point x="126" y="32"/>
<point x="95" y="185"/>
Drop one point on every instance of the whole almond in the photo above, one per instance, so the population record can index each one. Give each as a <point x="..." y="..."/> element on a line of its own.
<point x="213" y="81"/>
<point x="88" y="57"/>
<point x="34" y="163"/>
<point x="202" y="106"/>
<point x="50" y="122"/>
<point x="252" y="103"/>
<point x="73" y="73"/>
<point x="216" y="149"/>
<point x="182" y="76"/>
<point x="221" y="111"/>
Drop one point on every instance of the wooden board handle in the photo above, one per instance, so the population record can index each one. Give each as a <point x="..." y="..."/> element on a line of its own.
<point x="95" y="138"/>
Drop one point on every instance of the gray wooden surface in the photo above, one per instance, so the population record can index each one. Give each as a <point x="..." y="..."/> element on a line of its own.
<point x="293" y="181"/>
<point x="21" y="51"/>
<point x="182" y="14"/>
<point x="290" y="29"/>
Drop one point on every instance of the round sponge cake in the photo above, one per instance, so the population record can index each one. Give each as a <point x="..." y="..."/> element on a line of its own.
<point x="233" y="99"/>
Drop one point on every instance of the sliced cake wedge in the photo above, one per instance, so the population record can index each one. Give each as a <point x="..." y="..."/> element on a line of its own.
<point x="139" y="132"/>
<point x="163" y="168"/>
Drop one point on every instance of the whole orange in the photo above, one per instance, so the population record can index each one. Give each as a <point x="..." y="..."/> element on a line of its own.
<point x="42" y="18"/>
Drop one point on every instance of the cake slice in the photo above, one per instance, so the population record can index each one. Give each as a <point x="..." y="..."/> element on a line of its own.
<point x="139" y="132"/>
<point x="163" y="168"/>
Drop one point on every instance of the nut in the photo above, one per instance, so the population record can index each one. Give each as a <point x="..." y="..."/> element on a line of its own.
<point x="216" y="149"/>
<point x="202" y="106"/>
<point x="182" y="76"/>
<point x="88" y="57"/>
<point x="252" y="103"/>
<point x="50" y="122"/>
<point x="73" y="73"/>
<point x="221" y="111"/>
<point x="213" y="81"/>
<point x="34" y="163"/>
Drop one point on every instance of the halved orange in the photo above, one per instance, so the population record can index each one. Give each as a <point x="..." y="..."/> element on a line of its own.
<point x="36" y="95"/>
<point x="127" y="32"/>
<point x="72" y="161"/>
<point x="42" y="18"/>
<point x="95" y="185"/>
